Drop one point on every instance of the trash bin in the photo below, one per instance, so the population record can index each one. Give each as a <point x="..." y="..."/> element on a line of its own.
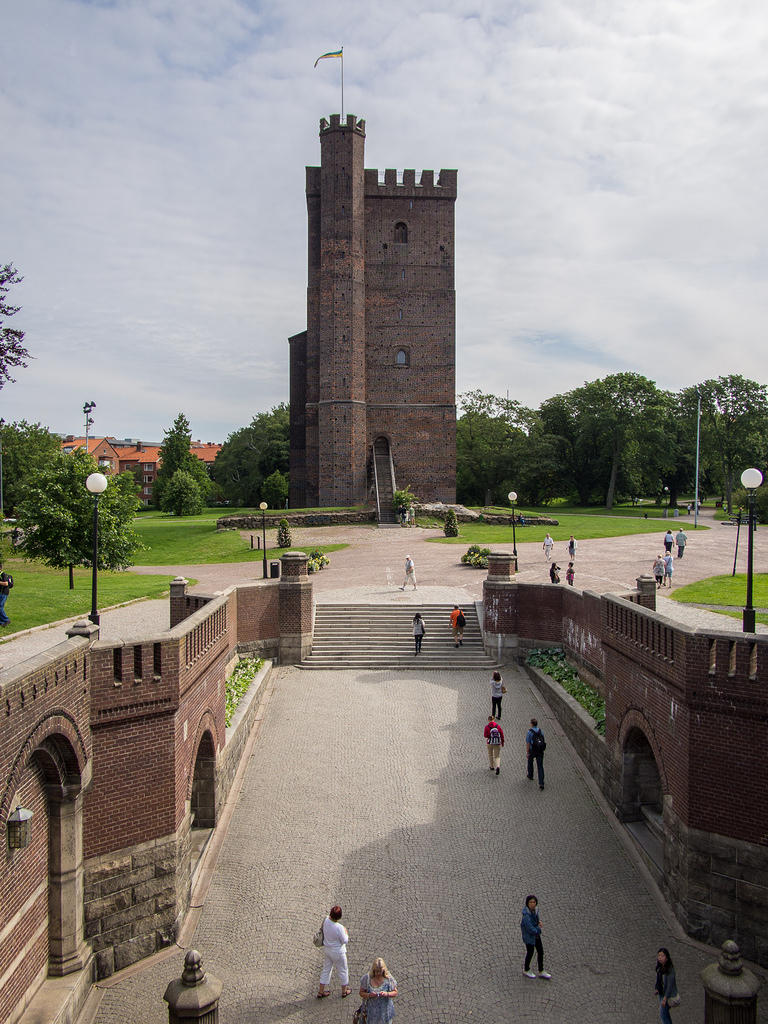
<point x="274" y="570"/>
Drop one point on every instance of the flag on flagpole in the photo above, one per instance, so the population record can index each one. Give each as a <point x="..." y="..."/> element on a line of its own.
<point x="334" y="53"/>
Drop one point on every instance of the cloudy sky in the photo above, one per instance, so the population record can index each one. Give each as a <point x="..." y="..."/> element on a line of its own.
<point x="612" y="208"/>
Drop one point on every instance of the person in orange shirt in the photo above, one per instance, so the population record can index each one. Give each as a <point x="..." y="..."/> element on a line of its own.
<point x="458" y="622"/>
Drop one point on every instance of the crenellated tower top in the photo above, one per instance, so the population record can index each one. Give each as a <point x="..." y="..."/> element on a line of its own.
<point x="352" y="124"/>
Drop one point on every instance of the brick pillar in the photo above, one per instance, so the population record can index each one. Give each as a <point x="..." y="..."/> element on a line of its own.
<point x="730" y="989"/>
<point x="500" y="593"/>
<point x="646" y="589"/>
<point x="178" y="600"/>
<point x="295" y="614"/>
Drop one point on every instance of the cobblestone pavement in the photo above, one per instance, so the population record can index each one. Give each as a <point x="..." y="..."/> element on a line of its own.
<point x="372" y="790"/>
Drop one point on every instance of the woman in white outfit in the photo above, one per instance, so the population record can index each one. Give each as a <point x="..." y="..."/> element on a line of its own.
<point x="335" y="939"/>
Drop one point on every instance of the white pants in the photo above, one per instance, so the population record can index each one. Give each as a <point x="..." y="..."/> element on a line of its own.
<point x="337" y="958"/>
<point x="410" y="577"/>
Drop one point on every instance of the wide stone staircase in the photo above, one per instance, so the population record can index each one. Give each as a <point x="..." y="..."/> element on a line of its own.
<point x="381" y="637"/>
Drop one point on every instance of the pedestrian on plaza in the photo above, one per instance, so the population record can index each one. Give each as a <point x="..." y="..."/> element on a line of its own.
<point x="569" y="574"/>
<point x="658" y="571"/>
<point x="572" y="545"/>
<point x="669" y="540"/>
<point x="419" y="629"/>
<point x="494" y="738"/>
<point x="6" y="582"/>
<point x="458" y="622"/>
<point x="410" y="573"/>
<point x="498" y="689"/>
<point x="681" y="539"/>
<point x="547" y="546"/>
<point x="335" y="939"/>
<point x="530" y="926"/>
<point x="554" y="573"/>
<point x="666" y="985"/>
<point x="377" y="990"/>
<point x="535" y="745"/>
<point x="669" y="568"/>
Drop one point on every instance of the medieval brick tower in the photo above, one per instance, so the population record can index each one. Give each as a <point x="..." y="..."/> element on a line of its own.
<point x="372" y="393"/>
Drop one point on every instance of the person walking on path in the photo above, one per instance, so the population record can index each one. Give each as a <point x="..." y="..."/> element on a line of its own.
<point x="554" y="573"/>
<point x="658" y="571"/>
<point x="681" y="539"/>
<point x="569" y="574"/>
<point x="572" y="545"/>
<point x="410" y="573"/>
<point x="335" y="939"/>
<point x="530" y="925"/>
<point x="494" y="738"/>
<point x="669" y="568"/>
<point x="547" y="546"/>
<point x="458" y="622"/>
<point x="669" y="540"/>
<point x="666" y="985"/>
<point x="5" y="588"/>
<point x="419" y="630"/>
<point x="377" y="990"/>
<point x="535" y="745"/>
<point x="498" y="689"/>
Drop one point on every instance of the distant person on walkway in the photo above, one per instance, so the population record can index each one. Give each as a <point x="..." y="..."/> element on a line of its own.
<point x="669" y="540"/>
<point x="554" y="573"/>
<point x="410" y="573"/>
<point x="377" y="990"/>
<point x="547" y="546"/>
<point x="658" y="571"/>
<point x="572" y="545"/>
<point x="498" y="689"/>
<point x="335" y="939"/>
<point x="494" y="738"/>
<point x="681" y="539"/>
<point x="419" y="630"/>
<point x="5" y="589"/>
<point x="569" y="574"/>
<point x="530" y="926"/>
<point x="402" y="515"/>
<point x="458" y="622"/>
<point x="666" y="985"/>
<point x="535" y="745"/>
<point x="669" y="568"/>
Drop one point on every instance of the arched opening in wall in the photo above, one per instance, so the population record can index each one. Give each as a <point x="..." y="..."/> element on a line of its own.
<point x="383" y="483"/>
<point x="642" y="799"/>
<point x="401" y="233"/>
<point x="203" y="801"/>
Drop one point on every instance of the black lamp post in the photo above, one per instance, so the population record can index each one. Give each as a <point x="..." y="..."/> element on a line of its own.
<point x="263" y="507"/>
<point x="96" y="484"/>
<point x="513" y="498"/>
<point x="750" y="479"/>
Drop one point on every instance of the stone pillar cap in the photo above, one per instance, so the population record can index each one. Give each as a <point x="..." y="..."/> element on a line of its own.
<point x="194" y="994"/>
<point x="729" y="981"/>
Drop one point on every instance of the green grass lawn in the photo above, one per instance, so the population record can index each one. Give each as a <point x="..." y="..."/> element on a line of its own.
<point x="559" y="511"/>
<point x="725" y="590"/>
<point x="41" y="595"/>
<point x="583" y="527"/>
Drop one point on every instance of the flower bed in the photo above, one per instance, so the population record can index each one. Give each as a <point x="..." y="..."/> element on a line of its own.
<point x="238" y="683"/>
<point x="316" y="560"/>
<point x="552" y="661"/>
<point x="476" y="557"/>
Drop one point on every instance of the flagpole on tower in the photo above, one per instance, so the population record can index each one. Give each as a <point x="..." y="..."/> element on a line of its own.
<point x="342" y="85"/>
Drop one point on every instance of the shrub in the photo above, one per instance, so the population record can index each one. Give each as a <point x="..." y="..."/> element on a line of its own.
<point x="451" y="525"/>
<point x="316" y="560"/>
<point x="552" y="661"/>
<point x="403" y="499"/>
<point x="181" y="495"/>
<point x="238" y="683"/>
<point x="284" y="539"/>
<point x="476" y="556"/>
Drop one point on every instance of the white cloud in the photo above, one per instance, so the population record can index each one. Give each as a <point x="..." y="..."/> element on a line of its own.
<point x="611" y="207"/>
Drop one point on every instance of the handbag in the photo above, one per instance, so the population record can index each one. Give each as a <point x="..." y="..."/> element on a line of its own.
<point x="318" y="939"/>
<point x="673" y="1000"/>
<point x="503" y="689"/>
<point x="360" y="1016"/>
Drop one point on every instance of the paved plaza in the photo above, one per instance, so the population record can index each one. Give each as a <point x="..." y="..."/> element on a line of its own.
<point x="372" y="790"/>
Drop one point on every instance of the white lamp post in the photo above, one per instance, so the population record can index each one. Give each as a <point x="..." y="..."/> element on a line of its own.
<point x="96" y="485"/>
<point x="750" y="479"/>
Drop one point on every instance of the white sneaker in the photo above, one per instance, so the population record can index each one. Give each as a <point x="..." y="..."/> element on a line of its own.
<point x="545" y="974"/>
<point x="529" y="974"/>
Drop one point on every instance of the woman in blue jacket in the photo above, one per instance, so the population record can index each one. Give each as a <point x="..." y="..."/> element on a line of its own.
<point x="531" y="929"/>
<point x="666" y="985"/>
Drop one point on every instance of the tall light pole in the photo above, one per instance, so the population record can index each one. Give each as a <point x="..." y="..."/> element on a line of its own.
<point x="750" y="479"/>
<point x="2" y="506"/>
<point x="696" y="494"/>
<point x="96" y="484"/>
<point x="263" y="507"/>
<point x="512" y="499"/>
<point x="87" y="410"/>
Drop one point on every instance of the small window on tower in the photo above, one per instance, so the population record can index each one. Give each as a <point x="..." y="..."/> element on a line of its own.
<point x="402" y="358"/>
<point x="401" y="232"/>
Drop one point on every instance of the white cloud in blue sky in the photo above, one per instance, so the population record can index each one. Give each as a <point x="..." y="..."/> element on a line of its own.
<point x="611" y="210"/>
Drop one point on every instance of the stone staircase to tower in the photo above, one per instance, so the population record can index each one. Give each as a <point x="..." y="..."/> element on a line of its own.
<point x="381" y="637"/>
<point x="384" y="477"/>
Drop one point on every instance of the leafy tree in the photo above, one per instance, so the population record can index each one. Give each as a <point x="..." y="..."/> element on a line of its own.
<point x="253" y="453"/>
<point x="27" y="449"/>
<point x="175" y="455"/>
<point x="488" y="432"/>
<point x="56" y="515"/>
<point x="404" y="498"/>
<point x="12" y="351"/>
<point x="181" y="495"/>
<point x="275" y="489"/>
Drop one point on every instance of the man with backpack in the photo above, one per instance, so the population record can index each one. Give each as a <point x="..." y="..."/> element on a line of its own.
<point x="494" y="737"/>
<point x="6" y="582"/>
<point x="535" y="745"/>
<point x="458" y="622"/>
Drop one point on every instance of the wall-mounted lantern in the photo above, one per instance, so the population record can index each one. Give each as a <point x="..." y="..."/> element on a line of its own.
<point x="18" y="829"/>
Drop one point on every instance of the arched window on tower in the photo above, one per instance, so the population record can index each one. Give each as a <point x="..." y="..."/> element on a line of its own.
<point x="401" y="232"/>
<point x="402" y="358"/>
